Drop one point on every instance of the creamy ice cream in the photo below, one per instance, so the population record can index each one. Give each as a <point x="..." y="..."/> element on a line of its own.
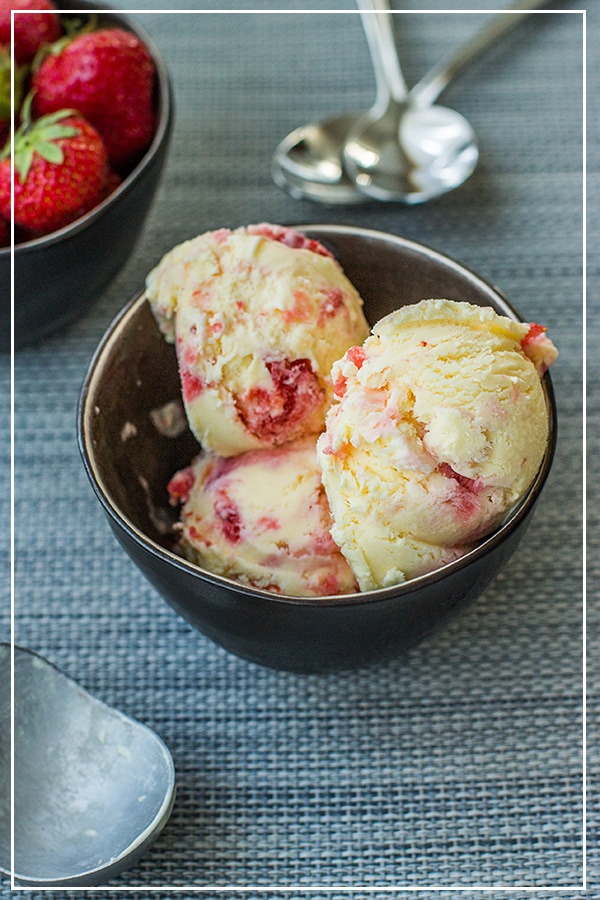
<point x="440" y="427"/>
<point x="262" y="518"/>
<point x="258" y="316"/>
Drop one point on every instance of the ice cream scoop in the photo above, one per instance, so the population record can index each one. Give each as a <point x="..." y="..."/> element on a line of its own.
<point x="258" y="316"/>
<point x="93" y="788"/>
<point x="262" y="518"/>
<point x="440" y="428"/>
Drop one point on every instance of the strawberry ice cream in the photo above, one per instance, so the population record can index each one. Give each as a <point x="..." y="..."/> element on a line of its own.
<point x="261" y="518"/>
<point x="440" y="428"/>
<point x="258" y="317"/>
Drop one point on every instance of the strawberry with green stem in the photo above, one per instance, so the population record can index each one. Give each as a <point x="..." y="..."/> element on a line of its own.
<point x="61" y="171"/>
<point x="108" y="75"/>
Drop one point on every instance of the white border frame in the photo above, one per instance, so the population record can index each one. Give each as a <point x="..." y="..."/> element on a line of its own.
<point x="326" y="889"/>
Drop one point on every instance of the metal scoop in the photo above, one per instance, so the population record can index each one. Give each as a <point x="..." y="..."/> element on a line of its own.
<point x="92" y="787"/>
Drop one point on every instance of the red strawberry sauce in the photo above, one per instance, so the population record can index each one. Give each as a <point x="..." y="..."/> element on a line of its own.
<point x="301" y="311"/>
<point x="191" y="385"/>
<point x="289" y="237"/>
<point x="198" y="537"/>
<point x="180" y="486"/>
<point x="274" y="415"/>
<point x="334" y="300"/>
<point x="465" y="499"/>
<point x="356" y="355"/>
<point x="267" y="523"/>
<point x="534" y="333"/>
<point x="229" y="517"/>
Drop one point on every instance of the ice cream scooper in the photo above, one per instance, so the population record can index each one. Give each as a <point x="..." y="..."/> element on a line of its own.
<point x="406" y="148"/>
<point x="92" y="788"/>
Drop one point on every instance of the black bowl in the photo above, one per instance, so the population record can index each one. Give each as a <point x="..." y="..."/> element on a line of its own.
<point x="129" y="463"/>
<point x="58" y="277"/>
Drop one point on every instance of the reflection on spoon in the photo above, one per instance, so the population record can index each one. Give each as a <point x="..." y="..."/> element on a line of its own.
<point x="430" y="151"/>
<point x="308" y="163"/>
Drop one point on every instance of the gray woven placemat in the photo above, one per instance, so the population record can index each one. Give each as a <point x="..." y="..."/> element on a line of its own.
<point x="459" y="764"/>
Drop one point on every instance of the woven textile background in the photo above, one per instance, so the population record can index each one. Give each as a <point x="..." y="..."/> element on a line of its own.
<point x="461" y="763"/>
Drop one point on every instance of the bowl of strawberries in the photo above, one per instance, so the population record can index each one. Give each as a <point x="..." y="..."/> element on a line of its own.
<point x="80" y="165"/>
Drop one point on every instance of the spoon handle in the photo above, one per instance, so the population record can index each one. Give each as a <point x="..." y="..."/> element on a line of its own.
<point x="377" y="22"/>
<point x="431" y="85"/>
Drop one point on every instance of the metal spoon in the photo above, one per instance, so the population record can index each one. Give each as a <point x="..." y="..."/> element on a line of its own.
<point x="420" y="151"/>
<point x="92" y="787"/>
<point x="297" y="161"/>
<point x="308" y="162"/>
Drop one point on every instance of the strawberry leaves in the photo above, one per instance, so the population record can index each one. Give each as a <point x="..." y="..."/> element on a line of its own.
<point x="62" y="172"/>
<point x="108" y="76"/>
<point x="87" y="117"/>
<point x="39" y="137"/>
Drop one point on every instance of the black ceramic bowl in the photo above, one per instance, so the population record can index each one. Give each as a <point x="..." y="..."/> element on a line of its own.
<point x="129" y="463"/>
<point x="57" y="277"/>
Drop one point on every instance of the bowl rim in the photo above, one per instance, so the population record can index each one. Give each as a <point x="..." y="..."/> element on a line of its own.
<point x="513" y="519"/>
<point x="161" y="133"/>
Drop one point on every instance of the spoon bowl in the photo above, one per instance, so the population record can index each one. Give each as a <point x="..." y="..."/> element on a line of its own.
<point x="308" y="162"/>
<point x="431" y="150"/>
<point x="92" y="787"/>
<point x="405" y="149"/>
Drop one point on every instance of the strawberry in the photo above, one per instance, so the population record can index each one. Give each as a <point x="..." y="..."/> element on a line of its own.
<point x="61" y="171"/>
<point x="6" y="77"/>
<point x="33" y="30"/>
<point x="108" y="76"/>
<point x="4" y="233"/>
